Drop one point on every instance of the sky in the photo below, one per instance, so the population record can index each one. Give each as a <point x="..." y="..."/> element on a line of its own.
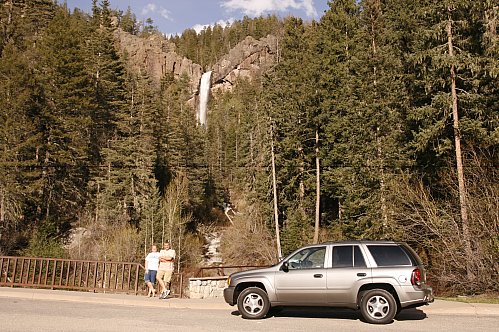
<point x="175" y="16"/>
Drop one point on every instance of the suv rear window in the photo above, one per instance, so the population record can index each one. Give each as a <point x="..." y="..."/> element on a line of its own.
<point x="389" y="255"/>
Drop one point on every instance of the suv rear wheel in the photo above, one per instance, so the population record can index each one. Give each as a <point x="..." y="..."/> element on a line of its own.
<point x="253" y="303"/>
<point x="378" y="306"/>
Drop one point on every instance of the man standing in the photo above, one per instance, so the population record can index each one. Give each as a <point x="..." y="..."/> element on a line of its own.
<point x="165" y="270"/>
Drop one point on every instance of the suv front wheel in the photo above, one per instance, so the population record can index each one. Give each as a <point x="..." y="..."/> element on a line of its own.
<point x="378" y="306"/>
<point x="253" y="303"/>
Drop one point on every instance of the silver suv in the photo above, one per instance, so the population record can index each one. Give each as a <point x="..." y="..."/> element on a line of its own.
<point x="378" y="277"/>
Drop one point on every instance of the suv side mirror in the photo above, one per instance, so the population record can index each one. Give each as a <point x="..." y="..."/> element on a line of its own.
<point x="285" y="266"/>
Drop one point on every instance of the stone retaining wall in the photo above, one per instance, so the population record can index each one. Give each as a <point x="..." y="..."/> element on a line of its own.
<point x="209" y="287"/>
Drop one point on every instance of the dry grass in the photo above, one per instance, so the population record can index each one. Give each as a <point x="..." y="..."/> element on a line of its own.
<point x="489" y="298"/>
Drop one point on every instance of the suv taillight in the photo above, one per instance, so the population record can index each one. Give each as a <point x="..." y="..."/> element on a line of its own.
<point x="416" y="277"/>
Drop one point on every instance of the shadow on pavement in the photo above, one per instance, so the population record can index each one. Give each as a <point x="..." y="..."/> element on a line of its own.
<point x="319" y="312"/>
<point x="411" y="314"/>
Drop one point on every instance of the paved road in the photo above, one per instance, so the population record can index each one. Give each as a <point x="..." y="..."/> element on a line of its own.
<point x="19" y="314"/>
<point x="43" y="310"/>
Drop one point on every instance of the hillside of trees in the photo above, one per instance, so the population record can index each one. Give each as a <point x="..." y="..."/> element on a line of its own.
<point x="380" y="121"/>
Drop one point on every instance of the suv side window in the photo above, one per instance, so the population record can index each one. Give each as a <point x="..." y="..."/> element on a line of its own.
<point x="389" y="255"/>
<point x="308" y="258"/>
<point x="348" y="256"/>
<point x="358" y="257"/>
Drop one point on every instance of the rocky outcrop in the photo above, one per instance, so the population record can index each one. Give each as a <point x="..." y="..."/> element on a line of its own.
<point x="158" y="57"/>
<point x="248" y="59"/>
<point x="155" y="54"/>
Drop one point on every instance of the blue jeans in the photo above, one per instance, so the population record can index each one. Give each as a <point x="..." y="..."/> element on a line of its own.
<point x="150" y="276"/>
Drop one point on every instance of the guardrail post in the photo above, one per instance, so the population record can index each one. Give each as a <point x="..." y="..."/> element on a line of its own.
<point x="12" y="281"/>
<point x="137" y="279"/>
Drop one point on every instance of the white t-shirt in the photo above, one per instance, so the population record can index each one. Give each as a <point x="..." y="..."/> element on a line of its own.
<point x="152" y="260"/>
<point x="167" y="265"/>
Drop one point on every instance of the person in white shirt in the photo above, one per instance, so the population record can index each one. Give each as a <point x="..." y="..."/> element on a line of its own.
<point x="151" y="266"/>
<point x="165" y="270"/>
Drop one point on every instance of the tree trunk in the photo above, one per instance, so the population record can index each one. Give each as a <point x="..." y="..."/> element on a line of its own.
<point x="274" y="187"/>
<point x="2" y="207"/>
<point x="491" y="25"/>
<point x="317" y="188"/>
<point x="459" y="161"/>
<point x="382" y="184"/>
<point x="382" y="180"/>
<point x="301" y="185"/>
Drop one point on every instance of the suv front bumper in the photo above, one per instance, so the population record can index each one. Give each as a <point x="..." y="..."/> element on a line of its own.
<point x="229" y="295"/>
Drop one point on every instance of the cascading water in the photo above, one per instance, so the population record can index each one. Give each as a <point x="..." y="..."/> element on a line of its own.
<point x="212" y="255"/>
<point x="204" y="92"/>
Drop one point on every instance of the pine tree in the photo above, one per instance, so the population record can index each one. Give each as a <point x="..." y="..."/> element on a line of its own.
<point x="450" y="114"/>
<point x="181" y="147"/>
<point x="363" y="105"/>
<point x="337" y="45"/>
<point x="128" y="185"/>
<point x="18" y="137"/>
<point x="383" y="107"/>
<point x="296" y="124"/>
<point x="22" y="23"/>
<point x="109" y="122"/>
<point x="129" y="22"/>
<point x="64" y="119"/>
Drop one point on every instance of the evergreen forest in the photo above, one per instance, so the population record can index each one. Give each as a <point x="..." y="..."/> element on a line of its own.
<point x="380" y="120"/>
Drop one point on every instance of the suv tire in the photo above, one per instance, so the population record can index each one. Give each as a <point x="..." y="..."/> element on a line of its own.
<point x="378" y="306"/>
<point x="253" y="303"/>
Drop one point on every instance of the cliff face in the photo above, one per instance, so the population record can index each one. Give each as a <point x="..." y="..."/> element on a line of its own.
<point x="248" y="59"/>
<point x="157" y="56"/>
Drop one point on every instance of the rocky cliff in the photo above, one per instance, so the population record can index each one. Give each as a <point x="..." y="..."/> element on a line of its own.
<point x="158" y="57"/>
<point x="248" y="59"/>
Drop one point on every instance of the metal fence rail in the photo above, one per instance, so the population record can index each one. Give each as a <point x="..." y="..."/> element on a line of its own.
<point x="53" y="273"/>
<point x="96" y="276"/>
<point x="220" y="271"/>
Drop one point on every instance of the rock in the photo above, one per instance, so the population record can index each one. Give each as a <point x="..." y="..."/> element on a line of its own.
<point x="157" y="56"/>
<point x="249" y="59"/>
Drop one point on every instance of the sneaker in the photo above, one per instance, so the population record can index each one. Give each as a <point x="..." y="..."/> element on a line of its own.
<point x="167" y="292"/>
<point x="162" y="296"/>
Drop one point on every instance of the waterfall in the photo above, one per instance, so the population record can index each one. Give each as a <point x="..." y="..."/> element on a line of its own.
<point x="204" y="92"/>
<point x="212" y="255"/>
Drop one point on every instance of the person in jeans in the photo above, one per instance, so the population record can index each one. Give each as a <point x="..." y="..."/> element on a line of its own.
<point x="151" y="266"/>
<point x="165" y="270"/>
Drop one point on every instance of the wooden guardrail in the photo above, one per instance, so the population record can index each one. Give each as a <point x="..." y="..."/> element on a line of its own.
<point x="54" y="273"/>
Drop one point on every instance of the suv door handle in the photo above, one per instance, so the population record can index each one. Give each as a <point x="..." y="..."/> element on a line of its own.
<point x="361" y="274"/>
<point x="318" y="275"/>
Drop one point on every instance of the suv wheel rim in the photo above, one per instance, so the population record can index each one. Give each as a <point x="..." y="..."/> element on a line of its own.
<point x="253" y="304"/>
<point x="378" y="307"/>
